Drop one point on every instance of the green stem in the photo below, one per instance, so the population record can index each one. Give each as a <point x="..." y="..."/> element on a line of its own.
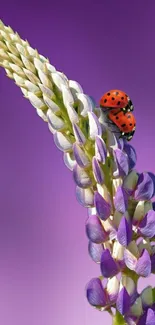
<point x="118" y="319"/>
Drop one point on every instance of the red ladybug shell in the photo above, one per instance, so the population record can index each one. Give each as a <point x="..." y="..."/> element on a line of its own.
<point x="124" y="121"/>
<point x="114" y="98"/>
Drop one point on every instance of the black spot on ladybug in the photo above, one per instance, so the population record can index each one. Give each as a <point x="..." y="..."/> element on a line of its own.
<point x="118" y="103"/>
<point x="105" y="100"/>
<point x="134" y="124"/>
<point x="122" y="98"/>
<point x="129" y="116"/>
<point x="117" y="117"/>
<point x="113" y="98"/>
<point x="108" y="94"/>
<point x="130" y="124"/>
<point x="117" y="92"/>
<point x="123" y="125"/>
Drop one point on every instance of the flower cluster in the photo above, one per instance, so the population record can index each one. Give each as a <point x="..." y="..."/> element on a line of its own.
<point x="121" y="217"/>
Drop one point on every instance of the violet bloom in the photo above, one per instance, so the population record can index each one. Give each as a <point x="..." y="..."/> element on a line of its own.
<point x="121" y="217"/>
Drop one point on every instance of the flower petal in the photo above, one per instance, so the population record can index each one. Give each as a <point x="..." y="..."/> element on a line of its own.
<point x="123" y="302"/>
<point x="153" y="263"/>
<point x="130" y="259"/>
<point x="112" y="289"/>
<point x="124" y="233"/>
<point x="139" y="212"/>
<point x="143" y="266"/>
<point x="145" y="187"/>
<point x="121" y="200"/>
<point x="147" y="296"/>
<point x="150" y="317"/>
<point x="103" y="208"/>
<point x="69" y="160"/>
<point x="62" y="142"/>
<point x="75" y="87"/>
<point x="100" y="149"/>
<point x="80" y="156"/>
<point x="137" y="308"/>
<point x="153" y="179"/>
<point x="95" y="230"/>
<point x="79" y="136"/>
<point x="112" y="141"/>
<point x="81" y="178"/>
<point x="144" y="244"/>
<point x="108" y="265"/>
<point x="85" y="104"/>
<point x="118" y="251"/>
<point x="97" y="171"/>
<point x="130" y="181"/>
<point x="94" y="126"/>
<point x="95" y="293"/>
<point x="131" y="153"/>
<point x="122" y="162"/>
<point x="85" y="197"/>
<point x="56" y="122"/>
<point x="95" y="251"/>
<point x="147" y="225"/>
<point x="130" y="286"/>
<point x="58" y="80"/>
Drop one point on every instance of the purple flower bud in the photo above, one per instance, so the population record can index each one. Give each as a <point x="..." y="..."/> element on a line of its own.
<point x="69" y="160"/>
<point x="100" y="149"/>
<point x="81" y="178"/>
<point x="147" y="225"/>
<point x="122" y="162"/>
<point x="85" y="104"/>
<point x="123" y="301"/>
<point x="80" y="156"/>
<point x="124" y="234"/>
<point x="56" y="122"/>
<point x="153" y="263"/>
<point x="98" y="173"/>
<point x="143" y="266"/>
<point x="153" y="179"/>
<point x="62" y="142"/>
<point x="148" y="318"/>
<point x="96" y="293"/>
<point x="131" y="288"/>
<point x="79" y="136"/>
<point x="112" y="141"/>
<point x="103" y="208"/>
<point x="112" y="289"/>
<point x="131" y="153"/>
<point x="85" y="197"/>
<point x="95" y="251"/>
<point x="94" y="126"/>
<point x="145" y="188"/>
<point x="95" y="230"/>
<point x="129" y="257"/>
<point x="121" y="200"/>
<point x="108" y="265"/>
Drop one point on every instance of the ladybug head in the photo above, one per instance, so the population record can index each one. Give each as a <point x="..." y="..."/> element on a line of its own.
<point x="130" y="106"/>
<point x="128" y="135"/>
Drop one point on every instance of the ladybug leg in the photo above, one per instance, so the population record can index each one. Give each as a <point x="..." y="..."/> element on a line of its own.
<point x="108" y="109"/>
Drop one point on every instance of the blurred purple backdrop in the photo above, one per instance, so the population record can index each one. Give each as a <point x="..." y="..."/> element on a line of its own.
<point x="44" y="264"/>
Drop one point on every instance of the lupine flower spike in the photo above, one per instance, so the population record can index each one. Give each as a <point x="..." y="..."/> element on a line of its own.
<point x="121" y="219"/>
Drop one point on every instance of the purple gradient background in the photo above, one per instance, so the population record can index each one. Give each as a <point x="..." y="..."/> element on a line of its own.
<point x="44" y="264"/>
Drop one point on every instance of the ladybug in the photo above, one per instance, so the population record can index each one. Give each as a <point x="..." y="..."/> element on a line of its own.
<point x="116" y="99"/>
<point x="125" y="122"/>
